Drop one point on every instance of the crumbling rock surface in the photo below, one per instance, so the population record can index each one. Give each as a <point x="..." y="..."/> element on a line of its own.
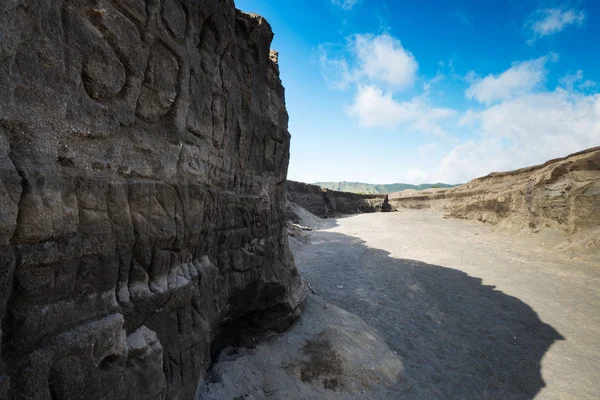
<point x="143" y="157"/>
<point x="325" y="202"/>
<point x="561" y="194"/>
<point x="386" y="206"/>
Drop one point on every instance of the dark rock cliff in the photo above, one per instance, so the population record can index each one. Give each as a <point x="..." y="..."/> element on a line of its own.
<point x="324" y="202"/>
<point x="143" y="157"/>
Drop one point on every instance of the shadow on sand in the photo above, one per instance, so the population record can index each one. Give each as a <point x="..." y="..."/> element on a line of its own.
<point x="458" y="338"/>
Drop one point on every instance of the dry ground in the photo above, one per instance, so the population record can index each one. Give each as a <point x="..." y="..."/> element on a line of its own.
<point x="473" y="313"/>
<point x="453" y="310"/>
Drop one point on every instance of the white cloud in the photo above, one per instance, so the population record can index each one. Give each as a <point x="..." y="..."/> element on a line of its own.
<point x="382" y="58"/>
<point x="587" y="85"/>
<point x="345" y="4"/>
<point x="570" y="81"/>
<point x="519" y="79"/>
<point x="549" y="21"/>
<point x="428" y="85"/>
<point x="524" y="131"/>
<point x="335" y="71"/>
<point x="375" y="108"/>
<point x="416" y="176"/>
<point x="369" y="58"/>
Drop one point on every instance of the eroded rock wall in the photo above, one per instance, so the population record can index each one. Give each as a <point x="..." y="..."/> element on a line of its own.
<point x="561" y="194"/>
<point x="143" y="158"/>
<point x="324" y="202"/>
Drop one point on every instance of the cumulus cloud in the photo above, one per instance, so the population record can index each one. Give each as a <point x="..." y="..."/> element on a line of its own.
<point x="521" y="78"/>
<point x="375" y="108"/>
<point x="522" y="131"/>
<point x="373" y="58"/>
<point x="549" y="21"/>
<point x="379" y="67"/>
<point x="383" y="58"/>
<point x="345" y="4"/>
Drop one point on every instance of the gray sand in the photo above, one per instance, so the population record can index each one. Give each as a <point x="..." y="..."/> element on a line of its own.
<point x="468" y="312"/>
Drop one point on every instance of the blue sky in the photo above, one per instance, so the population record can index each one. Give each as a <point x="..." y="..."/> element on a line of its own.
<point x="426" y="91"/>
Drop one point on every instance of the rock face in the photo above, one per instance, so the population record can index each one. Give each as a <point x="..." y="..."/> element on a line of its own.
<point x="562" y="194"/>
<point x="386" y="206"/>
<point x="324" y="202"/>
<point x="143" y="157"/>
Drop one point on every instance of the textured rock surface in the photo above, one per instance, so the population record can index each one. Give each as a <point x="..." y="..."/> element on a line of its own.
<point x="386" y="206"/>
<point x="324" y="202"/>
<point x="328" y="354"/>
<point x="561" y="195"/>
<point x="143" y="157"/>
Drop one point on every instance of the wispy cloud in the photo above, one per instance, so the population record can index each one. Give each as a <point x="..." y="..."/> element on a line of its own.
<point x="345" y="4"/>
<point x="380" y="58"/>
<point x="335" y="70"/>
<point x="521" y="78"/>
<point x="462" y="17"/>
<point x="375" y="108"/>
<point x="575" y="81"/>
<point x="548" y="21"/>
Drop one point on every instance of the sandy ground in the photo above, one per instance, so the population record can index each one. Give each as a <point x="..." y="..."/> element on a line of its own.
<point x="440" y="309"/>
<point x="473" y="313"/>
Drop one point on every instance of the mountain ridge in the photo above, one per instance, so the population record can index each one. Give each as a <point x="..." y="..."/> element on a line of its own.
<point x="361" y="187"/>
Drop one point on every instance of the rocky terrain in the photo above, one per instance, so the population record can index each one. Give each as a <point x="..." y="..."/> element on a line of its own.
<point x="143" y="157"/>
<point x="371" y="188"/>
<point x="484" y="315"/>
<point x="326" y="203"/>
<point x="561" y="196"/>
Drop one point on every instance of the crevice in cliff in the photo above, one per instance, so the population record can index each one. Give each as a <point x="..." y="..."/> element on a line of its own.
<point x="7" y="314"/>
<point x="250" y="328"/>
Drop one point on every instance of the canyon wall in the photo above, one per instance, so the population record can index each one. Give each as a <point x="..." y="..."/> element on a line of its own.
<point x="325" y="203"/>
<point x="561" y="194"/>
<point x="143" y="160"/>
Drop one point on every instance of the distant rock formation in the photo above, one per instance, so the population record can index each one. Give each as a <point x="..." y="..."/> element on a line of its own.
<point x="561" y="194"/>
<point x="386" y="206"/>
<point x="325" y="203"/>
<point x="143" y="157"/>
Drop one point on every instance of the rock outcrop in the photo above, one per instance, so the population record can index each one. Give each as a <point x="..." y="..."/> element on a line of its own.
<point x="386" y="206"/>
<point x="325" y="203"/>
<point x="143" y="158"/>
<point x="561" y="194"/>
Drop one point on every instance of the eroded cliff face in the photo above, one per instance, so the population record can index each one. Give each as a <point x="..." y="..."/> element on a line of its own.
<point x="324" y="203"/>
<point x="561" y="194"/>
<point x="143" y="157"/>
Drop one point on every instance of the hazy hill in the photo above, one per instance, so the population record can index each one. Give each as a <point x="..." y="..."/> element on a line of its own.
<point x="360" y="187"/>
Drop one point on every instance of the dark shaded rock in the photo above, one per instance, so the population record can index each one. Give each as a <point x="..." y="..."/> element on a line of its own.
<point x="386" y="207"/>
<point x="143" y="157"/>
<point x="325" y="202"/>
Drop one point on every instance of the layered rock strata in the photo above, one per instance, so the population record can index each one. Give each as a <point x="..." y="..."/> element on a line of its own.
<point x="143" y="157"/>
<point x="324" y="202"/>
<point x="561" y="194"/>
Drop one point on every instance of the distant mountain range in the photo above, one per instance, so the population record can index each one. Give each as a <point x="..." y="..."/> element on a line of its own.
<point x="360" y="187"/>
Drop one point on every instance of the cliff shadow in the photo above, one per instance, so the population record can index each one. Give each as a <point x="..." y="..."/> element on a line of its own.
<point x="458" y="338"/>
